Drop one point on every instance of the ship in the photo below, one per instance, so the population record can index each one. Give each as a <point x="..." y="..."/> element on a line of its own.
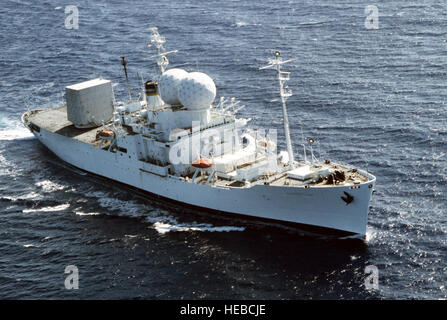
<point x="177" y="142"/>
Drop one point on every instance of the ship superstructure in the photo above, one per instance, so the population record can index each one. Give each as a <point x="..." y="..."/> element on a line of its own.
<point x="177" y="143"/>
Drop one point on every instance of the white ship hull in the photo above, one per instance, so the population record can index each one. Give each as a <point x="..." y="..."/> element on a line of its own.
<point x="317" y="207"/>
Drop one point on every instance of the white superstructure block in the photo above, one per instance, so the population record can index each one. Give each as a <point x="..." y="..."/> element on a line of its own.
<point x="89" y="103"/>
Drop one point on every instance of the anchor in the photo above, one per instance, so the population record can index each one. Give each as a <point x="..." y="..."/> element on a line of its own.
<point x="348" y="199"/>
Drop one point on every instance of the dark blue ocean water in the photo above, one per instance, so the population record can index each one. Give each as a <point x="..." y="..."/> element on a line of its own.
<point x="372" y="98"/>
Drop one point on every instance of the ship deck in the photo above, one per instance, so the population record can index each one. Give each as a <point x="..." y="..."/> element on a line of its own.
<point x="55" y="120"/>
<point x="352" y="178"/>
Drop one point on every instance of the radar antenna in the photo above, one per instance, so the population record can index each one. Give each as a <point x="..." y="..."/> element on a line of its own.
<point x="285" y="93"/>
<point x="158" y="41"/>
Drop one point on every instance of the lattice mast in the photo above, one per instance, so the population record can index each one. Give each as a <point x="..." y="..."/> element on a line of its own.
<point x="158" y="41"/>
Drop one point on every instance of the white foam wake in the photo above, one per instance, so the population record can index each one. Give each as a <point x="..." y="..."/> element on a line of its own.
<point x="29" y="196"/>
<point x="49" y="186"/>
<point x="13" y="130"/>
<point x="161" y="220"/>
<point x="164" y="227"/>
<point x="80" y="213"/>
<point x="370" y="234"/>
<point x="15" y="134"/>
<point x="48" y="209"/>
<point x="129" y="208"/>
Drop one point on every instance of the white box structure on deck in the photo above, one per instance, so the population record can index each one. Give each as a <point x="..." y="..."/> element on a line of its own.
<point x="306" y="172"/>
<point x="90" y="103"/>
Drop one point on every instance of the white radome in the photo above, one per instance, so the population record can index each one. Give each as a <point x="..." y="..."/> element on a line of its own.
<point x="169" y="83"/>
<point x="196" y="91"/>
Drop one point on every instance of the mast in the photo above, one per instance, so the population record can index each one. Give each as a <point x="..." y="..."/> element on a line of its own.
<point x="285" y="93"/>
<point x="158" y="41"/>
<point x="124" y="64"/>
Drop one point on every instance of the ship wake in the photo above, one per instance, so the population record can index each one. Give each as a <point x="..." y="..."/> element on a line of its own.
<point x="161" y="220"/>
<point x="13" y="130"/>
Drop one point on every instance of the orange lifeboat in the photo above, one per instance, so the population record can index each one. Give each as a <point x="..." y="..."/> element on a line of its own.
<point x="202" y="163"/>
<point x="105" y="133"/>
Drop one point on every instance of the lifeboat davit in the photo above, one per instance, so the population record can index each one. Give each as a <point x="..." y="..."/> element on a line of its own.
<point x="202" y="163"/>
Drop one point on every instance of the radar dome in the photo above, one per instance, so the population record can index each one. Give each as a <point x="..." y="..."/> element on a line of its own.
<point x="169" y="83"/>
<point x="196" y="91"/>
